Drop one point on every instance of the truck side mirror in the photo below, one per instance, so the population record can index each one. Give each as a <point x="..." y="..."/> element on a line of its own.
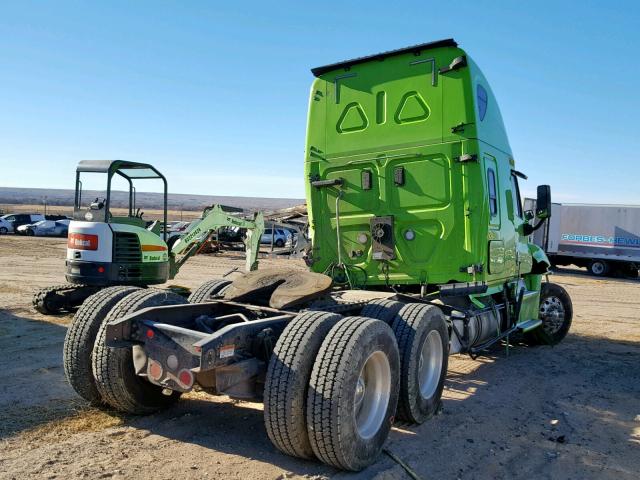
<point x="543" y="202"/>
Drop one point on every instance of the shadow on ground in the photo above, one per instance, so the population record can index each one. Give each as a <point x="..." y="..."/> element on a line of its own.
<point x="33" y="389"/>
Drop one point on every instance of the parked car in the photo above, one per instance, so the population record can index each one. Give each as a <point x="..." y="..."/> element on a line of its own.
<point x="231" y="234"/>
<point x="5" y="226"/>
<point x="176" y="229"/>
<point x="18" y="219"/>
<point x="276" y="236"/>
<point x="45" y="228"/>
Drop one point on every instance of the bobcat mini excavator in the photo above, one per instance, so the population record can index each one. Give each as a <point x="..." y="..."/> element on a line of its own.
<point x="105" y="248"/>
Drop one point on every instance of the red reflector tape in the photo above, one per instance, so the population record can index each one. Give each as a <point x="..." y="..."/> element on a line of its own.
<point x="82" y="241"/>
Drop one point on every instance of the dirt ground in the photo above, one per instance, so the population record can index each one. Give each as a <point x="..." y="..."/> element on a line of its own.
<point x="567" y="412"/>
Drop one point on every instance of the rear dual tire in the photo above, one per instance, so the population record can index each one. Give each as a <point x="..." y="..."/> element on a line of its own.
<point x="207" y="290"/>
<point x="353" y="393"/>
<point x="382" y="309"/>
<point x="287" y="381"/>
<point x="81" y="336"/>
<point x="113" y="369"/>
<point x="423" y="341"/>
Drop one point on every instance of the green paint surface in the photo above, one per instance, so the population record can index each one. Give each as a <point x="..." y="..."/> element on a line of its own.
<point x="401" y="112"/>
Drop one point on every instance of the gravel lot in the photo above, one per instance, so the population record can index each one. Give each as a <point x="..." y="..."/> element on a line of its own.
<point x="572" y="411"/>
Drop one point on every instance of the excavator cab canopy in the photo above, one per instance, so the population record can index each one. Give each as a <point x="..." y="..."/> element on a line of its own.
<point x="98" y="210"/>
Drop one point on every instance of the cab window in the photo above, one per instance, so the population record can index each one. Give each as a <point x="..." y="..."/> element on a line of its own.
<point x="493" y="196"/>
<point x="515" y="192"/>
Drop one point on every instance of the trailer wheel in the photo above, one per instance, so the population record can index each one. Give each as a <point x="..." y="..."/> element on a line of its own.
<point x="81" y="336"/>
<point x="113" y="368"/>
<point x="599" y="268"/>
<point x="205" y="291"/>
<point x="556" y="313"/>
<point x="382" y="309"/>
<point x="286" y="386"/>
<point x="353" y="393"/>
<point x="423" y="341"/>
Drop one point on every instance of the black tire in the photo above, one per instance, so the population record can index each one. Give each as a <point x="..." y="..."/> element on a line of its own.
<point x="29" y="232"/>
<point x="553" y="298"/>
<point x="599" y="268"/>
<point x="65" y="233"/>
<point x="418" y="401"/>
<point x="331" y="403"/>
<point x="382" y="309"/>
<point x="205" y="291"/>
<point x="4" y="230"/>
<point x="287" y="382"/>
<point x="81" y="336"/>
<point x="113" y="369"/>
<point x="279" y="243"/>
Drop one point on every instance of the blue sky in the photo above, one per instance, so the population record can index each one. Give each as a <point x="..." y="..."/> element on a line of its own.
<point x="215" y="94"/>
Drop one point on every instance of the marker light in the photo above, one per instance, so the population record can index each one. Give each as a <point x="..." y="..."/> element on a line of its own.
<point x="409" y="234"/>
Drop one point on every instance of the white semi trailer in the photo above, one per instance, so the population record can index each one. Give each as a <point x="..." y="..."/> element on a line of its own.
<point x="603" y="238"/>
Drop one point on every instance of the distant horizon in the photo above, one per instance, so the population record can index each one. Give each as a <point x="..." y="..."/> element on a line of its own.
<point x="170" y="192"/>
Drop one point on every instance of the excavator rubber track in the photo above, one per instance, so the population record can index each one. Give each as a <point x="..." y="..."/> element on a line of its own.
<point x="64" y="297"/>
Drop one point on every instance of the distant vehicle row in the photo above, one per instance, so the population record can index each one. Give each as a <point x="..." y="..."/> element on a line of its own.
<point x="58" y="225"/>
<point x="13" y="221"/>
<point x="45" y="228"/>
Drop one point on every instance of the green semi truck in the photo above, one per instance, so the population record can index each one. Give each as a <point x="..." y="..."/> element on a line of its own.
<point x="419" y="251"/>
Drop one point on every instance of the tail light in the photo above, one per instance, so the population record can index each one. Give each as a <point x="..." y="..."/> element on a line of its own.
<point x="82" y="241"/>
<point x="185" y="377"/>
<point x="154" y="370"/>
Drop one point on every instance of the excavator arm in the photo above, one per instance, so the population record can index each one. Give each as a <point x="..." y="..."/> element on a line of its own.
<point x="212" y="219"/>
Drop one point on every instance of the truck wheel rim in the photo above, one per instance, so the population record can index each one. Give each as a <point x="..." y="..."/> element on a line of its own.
<point x="430" y="364"/>
<point x="597" y="268"/>
<point x="372" y="393"/>
<point x="552" y="314"/>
